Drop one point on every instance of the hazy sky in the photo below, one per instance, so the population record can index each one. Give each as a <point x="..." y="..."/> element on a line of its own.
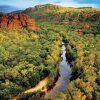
<point x="68" y="3"/>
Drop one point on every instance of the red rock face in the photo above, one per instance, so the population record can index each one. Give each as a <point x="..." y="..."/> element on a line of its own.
<point x="98" y="15"/>
<point x="87" y="15"/>
<point x="17" y="21"/>
<point x="74" y="22"/>
<point x="86" y="26"/>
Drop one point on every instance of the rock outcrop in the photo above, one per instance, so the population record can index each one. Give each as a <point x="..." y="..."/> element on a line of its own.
<point x="86" y="26"/>
<point x="16" y="21"/>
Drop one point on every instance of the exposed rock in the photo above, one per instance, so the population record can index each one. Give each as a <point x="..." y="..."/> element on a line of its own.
<point x="16" y="21"/>
<point x="87" y="15"/>
<point x="74" y="22"/>
<point x="86" y="26"/>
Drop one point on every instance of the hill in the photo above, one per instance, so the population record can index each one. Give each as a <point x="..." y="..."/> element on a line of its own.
<point x="7" y="9"/>
<point x="81" y="20"/>
<point x="60" y="13"/>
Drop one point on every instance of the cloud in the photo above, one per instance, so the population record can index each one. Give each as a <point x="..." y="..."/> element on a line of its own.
<point x="88" y="1"/>
<point x="68" y="3"/>
<point x="72" y="3"/>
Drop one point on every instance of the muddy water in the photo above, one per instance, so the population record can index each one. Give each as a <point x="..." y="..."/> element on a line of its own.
<point x="65" y="75"/>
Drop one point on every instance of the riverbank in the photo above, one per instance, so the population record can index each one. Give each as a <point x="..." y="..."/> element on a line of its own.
<point x="64" y="78"/>
<point x="60" y="82"/>
<point x="40" y="86"/>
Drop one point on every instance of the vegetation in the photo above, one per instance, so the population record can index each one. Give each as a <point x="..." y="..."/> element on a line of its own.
<point x="83" y="53"/>
<point x="26" y="56"/>
<point x="50" y="12"/>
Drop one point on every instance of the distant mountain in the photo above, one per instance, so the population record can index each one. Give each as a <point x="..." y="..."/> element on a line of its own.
<point x="61" y="13"/>
<point x="45" y="8"/>
<point x="51" y="8"/>
<point x="7" y="9"/>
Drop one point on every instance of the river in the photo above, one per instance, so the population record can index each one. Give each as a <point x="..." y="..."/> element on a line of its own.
<point x="61" y="84"/>
<point x="65" y="75"/>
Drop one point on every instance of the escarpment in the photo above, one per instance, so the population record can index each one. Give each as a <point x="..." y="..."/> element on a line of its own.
<point x="16" y="21"/>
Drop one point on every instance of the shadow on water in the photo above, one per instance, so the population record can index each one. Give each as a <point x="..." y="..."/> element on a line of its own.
<point x="65" y="75"/>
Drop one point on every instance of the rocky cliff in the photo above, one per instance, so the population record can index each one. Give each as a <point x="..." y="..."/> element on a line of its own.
<point x="16" y="21"/>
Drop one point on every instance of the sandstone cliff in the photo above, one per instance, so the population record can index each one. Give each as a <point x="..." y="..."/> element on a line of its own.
<point x="16" y="21"/>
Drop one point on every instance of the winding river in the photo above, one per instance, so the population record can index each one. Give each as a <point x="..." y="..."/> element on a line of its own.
<point x="65" y="75"/>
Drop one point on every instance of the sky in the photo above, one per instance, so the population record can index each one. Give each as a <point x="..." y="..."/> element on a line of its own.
<point x="22" y="4"/>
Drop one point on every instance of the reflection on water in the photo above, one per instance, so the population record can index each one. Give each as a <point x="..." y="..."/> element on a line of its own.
<point x="65" y="75"/>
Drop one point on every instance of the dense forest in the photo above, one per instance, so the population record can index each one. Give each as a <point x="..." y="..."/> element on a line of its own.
<point x="83" y="53"/>
<point x="28" y="56"/>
